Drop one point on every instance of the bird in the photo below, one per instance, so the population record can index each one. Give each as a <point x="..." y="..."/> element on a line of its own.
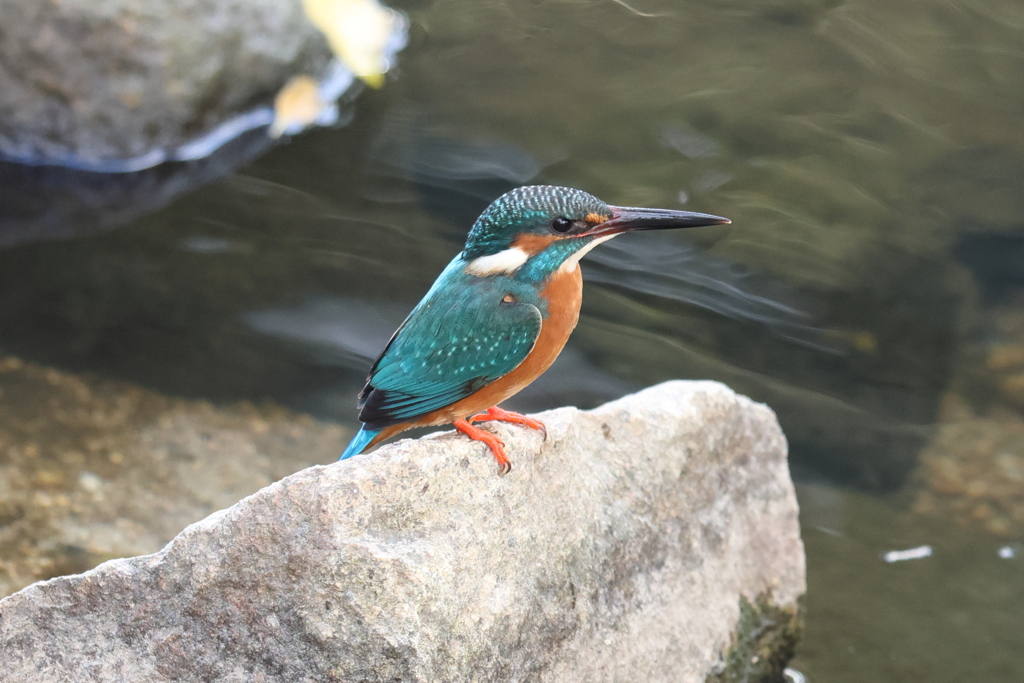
<point x="497" y="316"/>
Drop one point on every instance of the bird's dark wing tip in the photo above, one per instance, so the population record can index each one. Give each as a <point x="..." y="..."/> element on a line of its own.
<point x="382" y="408"/>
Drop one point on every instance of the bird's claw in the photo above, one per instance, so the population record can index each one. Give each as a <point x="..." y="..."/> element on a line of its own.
<point x="492" y="441"/>
<point x="498" y="414"/>
<point x="497" y="447"/>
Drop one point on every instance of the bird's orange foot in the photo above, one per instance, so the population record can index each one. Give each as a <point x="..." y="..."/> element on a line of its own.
<point x="496" y="413"/>
<point x="498" y="448"/>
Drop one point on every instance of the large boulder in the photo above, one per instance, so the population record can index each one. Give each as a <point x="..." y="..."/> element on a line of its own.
<point x="652" y="539"/>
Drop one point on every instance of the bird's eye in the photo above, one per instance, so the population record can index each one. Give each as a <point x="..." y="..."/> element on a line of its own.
<point x="561" y="225"/>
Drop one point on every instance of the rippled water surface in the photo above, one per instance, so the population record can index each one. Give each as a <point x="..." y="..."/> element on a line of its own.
<point x="870" y="289"/>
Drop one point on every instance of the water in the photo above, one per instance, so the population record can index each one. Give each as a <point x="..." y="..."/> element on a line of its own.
<point x="870" y="154"/>
<point x="952" y="616"/>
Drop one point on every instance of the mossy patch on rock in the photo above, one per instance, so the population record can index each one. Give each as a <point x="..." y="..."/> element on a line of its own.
<point x="763" y="643"/>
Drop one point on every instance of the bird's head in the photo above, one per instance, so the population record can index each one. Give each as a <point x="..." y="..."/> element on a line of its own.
<point x="541" y="228"/>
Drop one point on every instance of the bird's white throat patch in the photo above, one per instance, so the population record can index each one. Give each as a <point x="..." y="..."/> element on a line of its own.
<point x="572" y="263"/>
<point x="512" y="259"/>
<point x="503" y="263"/>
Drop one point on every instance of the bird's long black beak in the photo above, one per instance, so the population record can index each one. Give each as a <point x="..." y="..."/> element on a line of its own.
<point x="627" y="219"/>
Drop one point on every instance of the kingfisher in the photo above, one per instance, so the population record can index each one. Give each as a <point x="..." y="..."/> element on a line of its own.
<point x="498" y="315"/>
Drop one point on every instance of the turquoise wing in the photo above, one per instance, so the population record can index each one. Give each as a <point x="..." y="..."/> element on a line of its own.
<point x="458" y="340"/>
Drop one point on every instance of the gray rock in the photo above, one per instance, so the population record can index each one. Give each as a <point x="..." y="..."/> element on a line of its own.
<point x="652" y="539"/>
<point x="82" y="82"/>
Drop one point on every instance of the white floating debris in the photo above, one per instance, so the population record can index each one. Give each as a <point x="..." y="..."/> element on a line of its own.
<point x="793" y="676"/>
<point x="1007" y="552"/>
<point x="910" y="554"/>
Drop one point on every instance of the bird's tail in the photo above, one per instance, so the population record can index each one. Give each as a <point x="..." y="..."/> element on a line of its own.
<point x="360" y="441"/>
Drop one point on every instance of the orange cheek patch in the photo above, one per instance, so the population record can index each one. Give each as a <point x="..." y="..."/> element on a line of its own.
<point x="533" y="244"/>
<point x="595" y="218"/>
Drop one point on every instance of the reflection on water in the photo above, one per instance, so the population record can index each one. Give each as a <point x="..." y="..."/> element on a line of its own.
<point x="322" y="325"/>
<point x="871" y="157"/>
<point x="670" y="269"/>
<point x="51" y="202"/>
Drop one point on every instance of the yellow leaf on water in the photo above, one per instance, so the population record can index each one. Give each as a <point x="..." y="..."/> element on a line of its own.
<point x="297" y="105"/>
<point x="358" y="32"/>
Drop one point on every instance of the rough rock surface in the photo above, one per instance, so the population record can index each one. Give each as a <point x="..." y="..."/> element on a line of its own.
<point x="94" y="469"/>
<point x="652" y="539"/>
<point x="117" y="79"/>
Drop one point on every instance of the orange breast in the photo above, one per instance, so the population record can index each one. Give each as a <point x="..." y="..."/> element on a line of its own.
<point x="564" y="294"/>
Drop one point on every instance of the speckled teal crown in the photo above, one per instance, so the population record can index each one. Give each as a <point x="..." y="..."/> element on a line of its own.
<point x="527" y="209"/>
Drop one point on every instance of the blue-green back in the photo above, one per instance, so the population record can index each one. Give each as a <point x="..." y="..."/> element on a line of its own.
<point x="461" y="337"/>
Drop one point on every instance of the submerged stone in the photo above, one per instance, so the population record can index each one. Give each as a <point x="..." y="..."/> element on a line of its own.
<point x="94" y="469"/>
